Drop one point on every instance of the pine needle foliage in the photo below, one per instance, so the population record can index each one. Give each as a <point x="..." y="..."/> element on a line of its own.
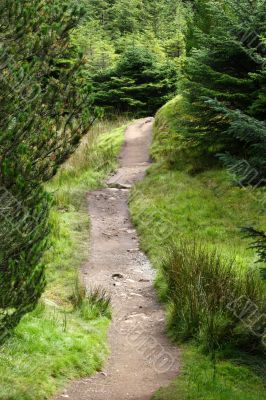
<point x="259" y="242"/>
<point x="138" y="84"/>
<point x="226" y="83"/>
<point x="45" y="109"/>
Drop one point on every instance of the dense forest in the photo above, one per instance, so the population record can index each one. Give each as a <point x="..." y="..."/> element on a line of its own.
<point x="68" y="67"/>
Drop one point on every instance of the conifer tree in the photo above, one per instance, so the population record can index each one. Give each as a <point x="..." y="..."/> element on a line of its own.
<point x="45" y="109"/>
<point x="226" y="86"/>
<point x="138" y="84"/>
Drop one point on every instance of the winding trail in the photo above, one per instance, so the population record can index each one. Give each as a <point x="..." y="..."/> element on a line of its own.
<point x="142" y="359"/>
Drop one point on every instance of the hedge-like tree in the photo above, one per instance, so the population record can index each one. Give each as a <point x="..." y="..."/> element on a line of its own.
<point x="45" y="110"/>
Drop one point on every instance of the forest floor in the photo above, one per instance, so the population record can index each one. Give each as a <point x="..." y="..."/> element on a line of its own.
<point x="141" y="359"/>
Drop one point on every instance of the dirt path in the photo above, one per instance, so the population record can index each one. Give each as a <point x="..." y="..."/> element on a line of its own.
<point x="142" y="359"/>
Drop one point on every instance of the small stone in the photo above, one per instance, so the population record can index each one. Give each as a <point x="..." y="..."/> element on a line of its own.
<point x="117" y="276"/>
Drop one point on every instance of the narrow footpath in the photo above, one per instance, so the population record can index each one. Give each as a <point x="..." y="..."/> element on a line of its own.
<point x="141" y="357"/>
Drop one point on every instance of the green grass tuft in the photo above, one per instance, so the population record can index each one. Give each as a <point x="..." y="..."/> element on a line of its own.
<point x="206" y="294"/>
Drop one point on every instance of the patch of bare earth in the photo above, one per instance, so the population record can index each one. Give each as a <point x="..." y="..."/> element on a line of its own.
<point x="141" y="357"/>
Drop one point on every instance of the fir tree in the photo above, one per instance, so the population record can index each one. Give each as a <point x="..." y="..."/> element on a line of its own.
<point x="226" y="85"/>
<point x="138" y="84"/>
<point x="45" y="108"/>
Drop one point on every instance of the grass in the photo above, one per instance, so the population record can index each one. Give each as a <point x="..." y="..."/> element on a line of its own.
<point x="49" y="346"/>
<point x="205" y="293"/>
<point x="199" y="381"/>
<point x="65" y="337"/>
<point x="173" y="205"/>
<point x="206" y="207"/>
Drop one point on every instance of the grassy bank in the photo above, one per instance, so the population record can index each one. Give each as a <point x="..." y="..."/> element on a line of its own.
<point x="174" y="205"/>
<point x="197" y="381"/>
<point x="61" y="340"/>
<point x="206" y="207"/>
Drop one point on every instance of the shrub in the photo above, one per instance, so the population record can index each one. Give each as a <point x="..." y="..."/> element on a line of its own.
<point x="24" y="227"/>
<point x="45" y="111"/>
<point x="210" y="300"/>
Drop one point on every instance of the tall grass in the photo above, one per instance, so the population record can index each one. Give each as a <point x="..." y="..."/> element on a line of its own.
<point x="208" y="296"/>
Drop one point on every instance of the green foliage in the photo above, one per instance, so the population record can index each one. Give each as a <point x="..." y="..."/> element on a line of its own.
<point x="93" y="304"/>
<point x="259" y="244"/>
<point x="48" y="347"/>
<point x="225" y="86"/>
<point x="45" y="108"/>
<point x="120" y="18"/>
<point x="209" y="296"/>
<point x="169" y="136"/>
<point x="196" y="282"/>
<point x="24" y="228"/>
<point x="133" y="52"/>
<point x="138" y="84"/>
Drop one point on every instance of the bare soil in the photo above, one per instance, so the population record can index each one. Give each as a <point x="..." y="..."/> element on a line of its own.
<point x="141" y="357"/>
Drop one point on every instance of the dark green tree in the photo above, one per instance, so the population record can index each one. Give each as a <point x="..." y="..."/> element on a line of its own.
<point x="138" y="84"/>
<point x="225" y="87"/>
<point x="45" y="109"/>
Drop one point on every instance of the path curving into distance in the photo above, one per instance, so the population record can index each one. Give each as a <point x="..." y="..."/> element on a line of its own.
<point x="141" y="357"/>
